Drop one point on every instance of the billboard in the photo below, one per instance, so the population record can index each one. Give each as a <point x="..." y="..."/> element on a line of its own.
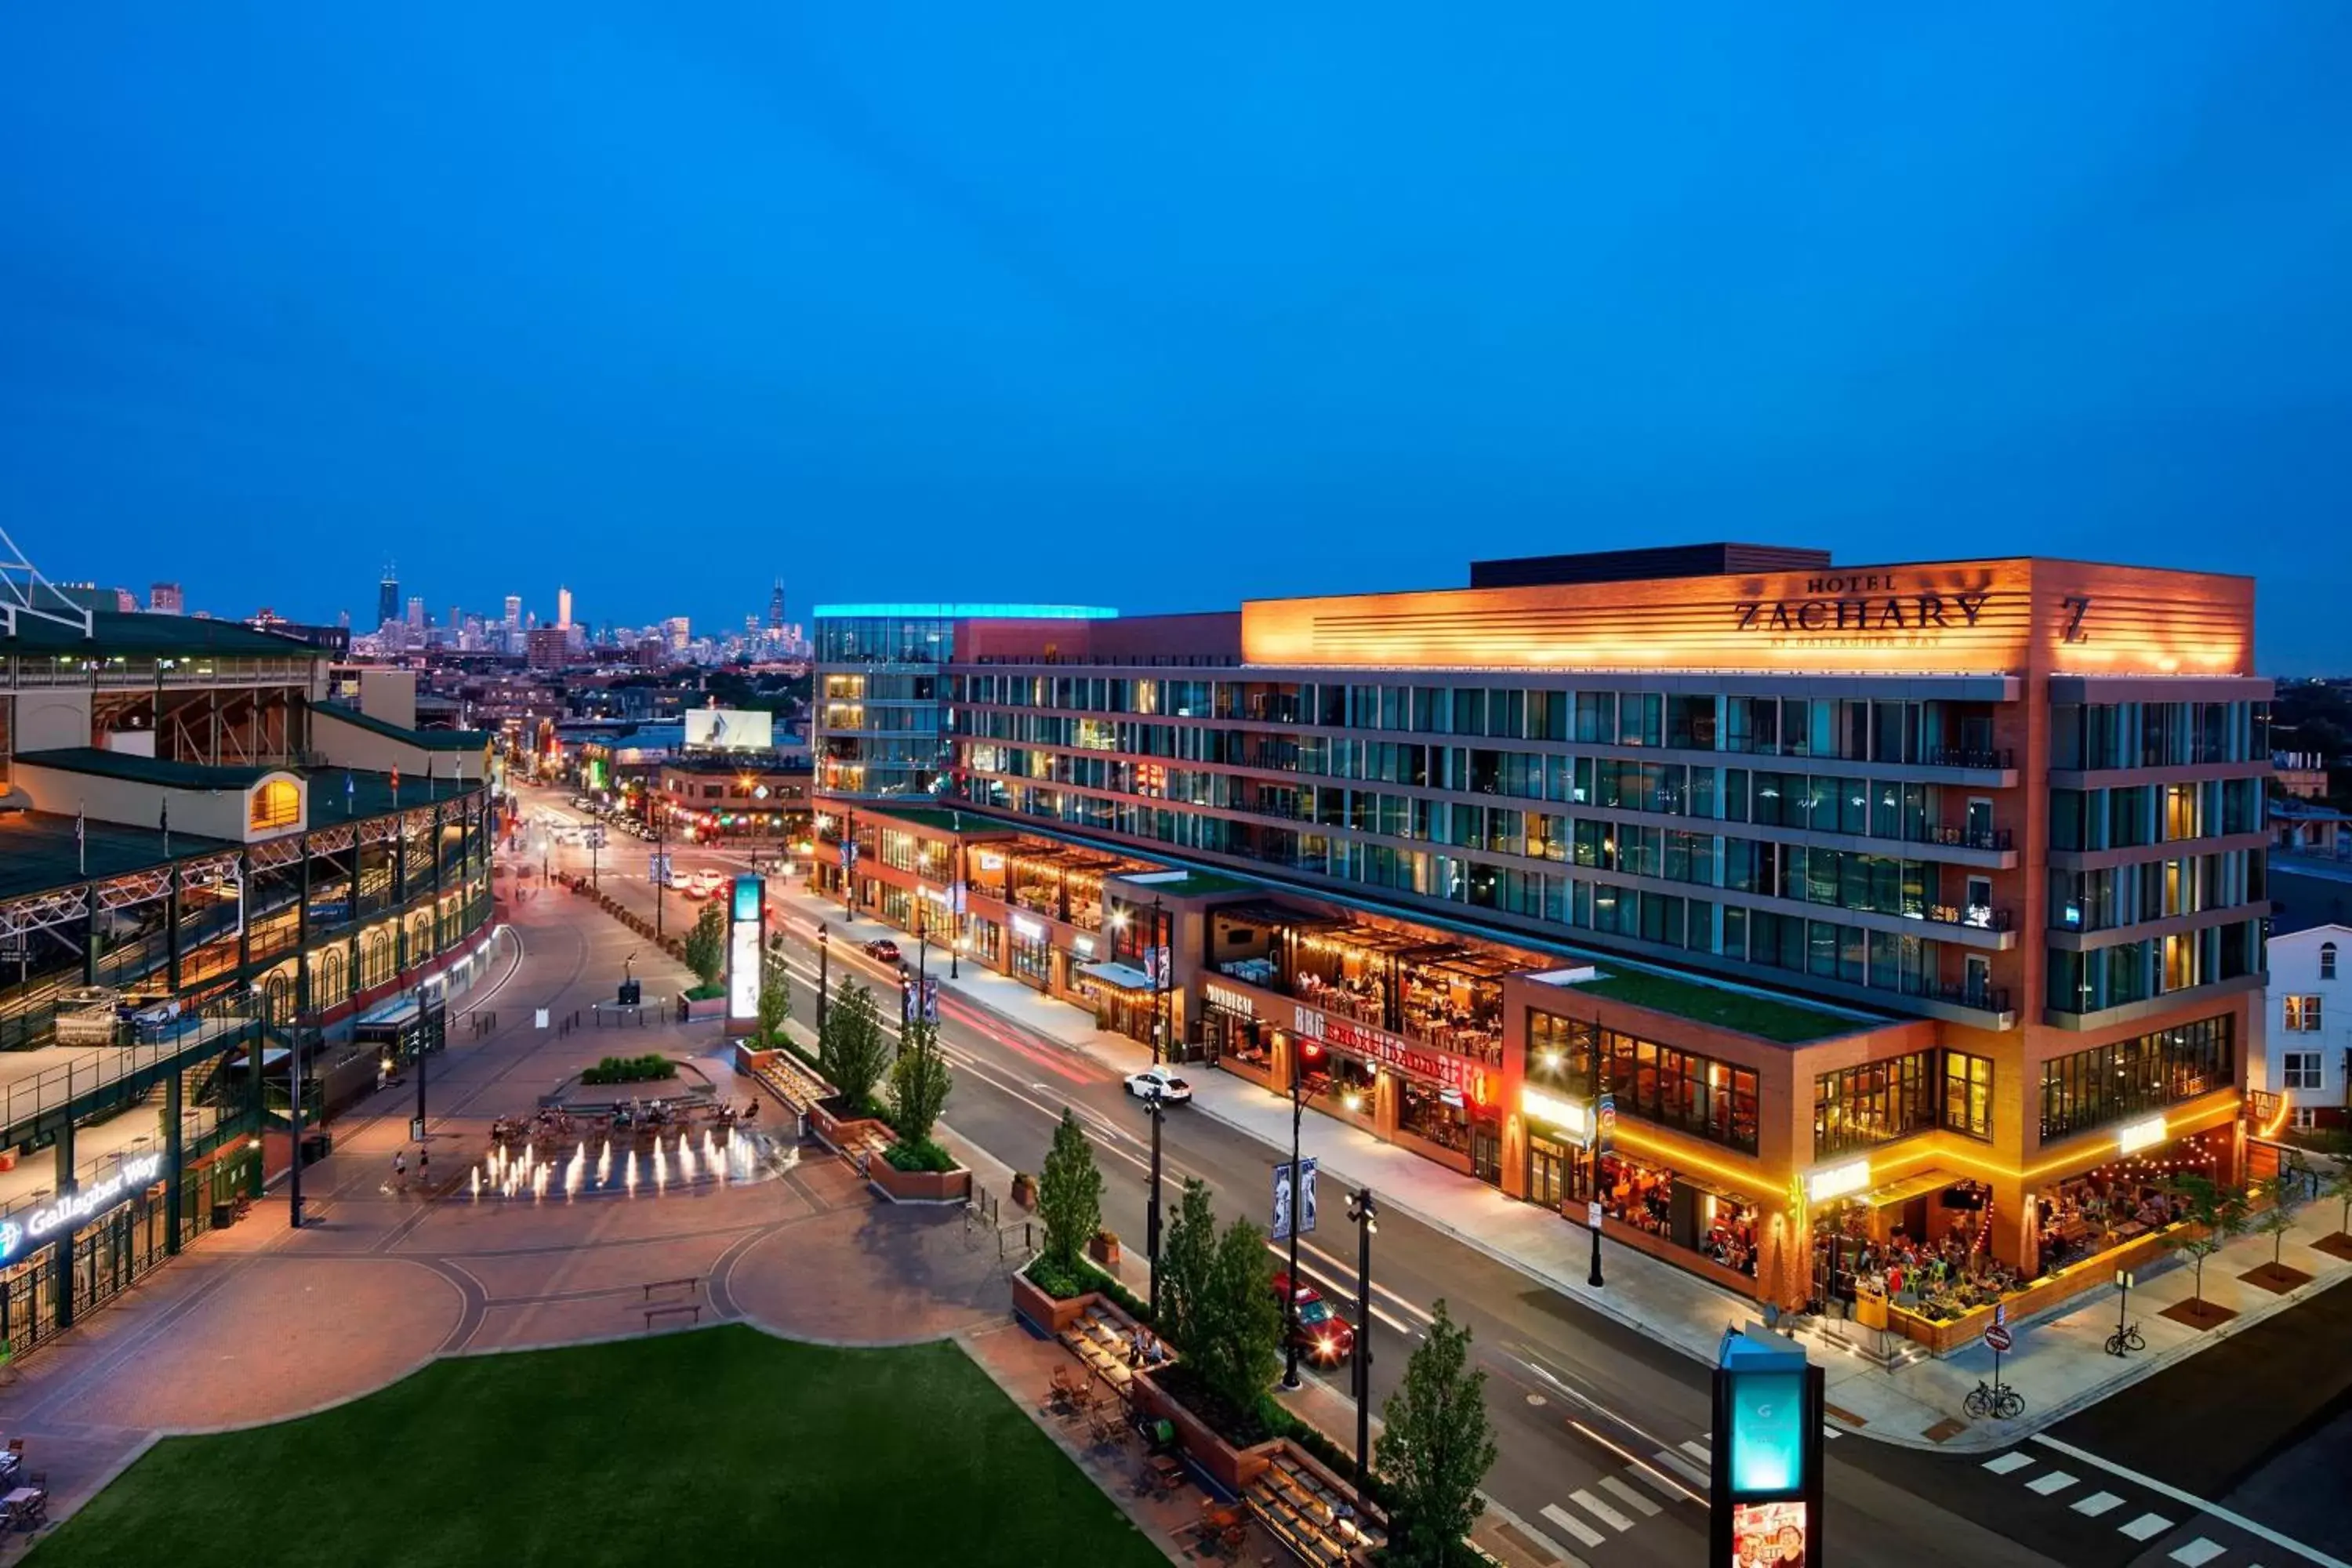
<point x="729" y="730"/>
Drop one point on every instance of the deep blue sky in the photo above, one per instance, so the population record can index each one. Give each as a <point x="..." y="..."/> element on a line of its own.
<point x="1163" y="308"/>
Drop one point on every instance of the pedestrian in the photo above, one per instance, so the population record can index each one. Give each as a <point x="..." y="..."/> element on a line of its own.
<point x="424" y="1166"/>
<point x="400" y="1170"/>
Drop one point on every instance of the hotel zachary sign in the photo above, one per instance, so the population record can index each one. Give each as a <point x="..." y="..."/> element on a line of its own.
<point x="1864" y="609"/>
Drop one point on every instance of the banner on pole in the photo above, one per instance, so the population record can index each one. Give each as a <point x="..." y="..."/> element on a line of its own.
<point x="1281" y="1198"/>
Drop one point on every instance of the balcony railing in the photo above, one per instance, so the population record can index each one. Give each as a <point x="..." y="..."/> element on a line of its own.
<point x="1993" y="838"/>
<point x="1990" y="998"/>
<point x="1977" y="917"/>
<point x="1989" y="758"/>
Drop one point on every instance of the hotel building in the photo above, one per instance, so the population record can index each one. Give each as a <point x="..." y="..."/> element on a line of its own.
<point x="1778" y="906"/>
<point x="210" y="880"/>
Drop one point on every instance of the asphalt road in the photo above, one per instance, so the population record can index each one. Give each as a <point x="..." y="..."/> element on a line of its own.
<point x="1603" y="1433"/>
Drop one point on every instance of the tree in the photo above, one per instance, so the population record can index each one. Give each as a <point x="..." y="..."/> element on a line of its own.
<point x="1069" y="1192"/>
<point x="920" y="1082"/>
<point x="1216" y="1307"/>
<point x="852" y="1053"/>
<point x="2338" y="1189"/>
<point x="2215" y="1215"/>
<point x="1437" y="1448"/>
<point x="706" y="944"/>
<point x="2286" y="1191"/>
<point x="775" y="1000"/>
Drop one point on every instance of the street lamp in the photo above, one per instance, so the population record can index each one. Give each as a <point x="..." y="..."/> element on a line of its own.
<point x="1159" y="982"/>
<point x="823" y="971"/>
<point x="1156" y="1110"/>
<point x="1366" y="1215"/>
<point x="1290" y="1296"/>
<point x="1592" y="1201"/>
<point x="661" y="859"/>
<point x="955" y="956"/>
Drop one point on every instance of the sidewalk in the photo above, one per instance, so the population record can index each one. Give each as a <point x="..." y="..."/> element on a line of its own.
<point x="2060" y="1363"/>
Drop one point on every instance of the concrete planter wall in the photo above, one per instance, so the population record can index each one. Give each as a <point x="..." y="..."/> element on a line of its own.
<point x="708" y="1007"/>
<point x="837" y="1132"/>
<point x="918" y="1187"/>
<point x="1234" y="1469"/>
<point x="1043" y="1311"/>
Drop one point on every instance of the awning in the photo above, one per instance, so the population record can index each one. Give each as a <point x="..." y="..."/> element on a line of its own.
<point x="1124" y="976"/>
<point x="1909" y="1187"/>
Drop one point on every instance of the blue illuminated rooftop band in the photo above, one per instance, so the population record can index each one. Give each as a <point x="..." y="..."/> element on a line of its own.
<point x="968" y="612"/>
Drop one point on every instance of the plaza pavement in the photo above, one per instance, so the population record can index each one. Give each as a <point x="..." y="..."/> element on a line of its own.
<point x="2060" y="1363"/>
<point x="258" y="1322"/>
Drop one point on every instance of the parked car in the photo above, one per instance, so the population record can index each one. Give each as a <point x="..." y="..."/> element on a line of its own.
<point x="883" y="950"/>
<point x="1173" y="1090"/>
<point x="1324" y="1337"/>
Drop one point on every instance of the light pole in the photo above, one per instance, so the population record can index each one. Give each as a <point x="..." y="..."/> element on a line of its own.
<point x="595" y="843"/>
<point x="2123" y="1307"/>
<point x="1159" y="981"/>
<point x="1156" y="1110"/>
<point x="849" y="864"/>
<point x="1367" y="1215"/>
<point x="1593" y="1210"/>
<point x="1290" y="1296"/>
<point x="423" y="1045"/>
<point x="661" y="859"/>
<point x="824" y="972"/>
<point x="955" y="956"/>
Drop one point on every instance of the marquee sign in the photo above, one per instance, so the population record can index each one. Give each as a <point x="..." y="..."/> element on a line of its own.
<point x="1862" y="604"/>
<point x="1452" y="1072"/>
<point x="69" y="1211"/>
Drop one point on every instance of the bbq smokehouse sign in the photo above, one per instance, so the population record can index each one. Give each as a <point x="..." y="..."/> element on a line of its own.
<point x="1862" y="604"/>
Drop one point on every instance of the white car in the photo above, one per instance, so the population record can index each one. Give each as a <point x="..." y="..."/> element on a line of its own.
<point x="1173" y="1090"/>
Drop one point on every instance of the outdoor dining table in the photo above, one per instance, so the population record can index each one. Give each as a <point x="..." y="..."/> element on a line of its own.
<point x="22" y="1504"/>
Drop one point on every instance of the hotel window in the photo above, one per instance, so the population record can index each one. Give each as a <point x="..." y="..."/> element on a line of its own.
<point x="2327" y="960"/>
<point x="276" y="804"/>
<point x="2110" y="1083"/>
<point x="1874" y="1103"/>
<point x="2299" y="1069"/>
<point x="1967" y="1094"/>
<point x="2302" y="1015"/>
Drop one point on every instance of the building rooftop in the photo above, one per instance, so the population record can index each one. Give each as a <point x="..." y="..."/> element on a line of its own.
<point x="1744" y="1012"/>
<point x="430" y="740"/>
<point x="37" y="851"/>
<point x="114" y="632"/>
<point x="1188" y="884"/>
<point x="964" y="612"/>
<point x="941" y="818"/>
<point x="160" y="772"/>
<point x="1644" y="565"/>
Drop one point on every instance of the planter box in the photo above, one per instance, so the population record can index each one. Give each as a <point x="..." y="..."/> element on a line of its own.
<point x="1025" y="1190"/>
<point x="918" y="1187"/>
<point x="708" y="1007"/>
<point x="1105" y="1252"/>
<point x="1232" y="1468"/>
<point x="1043" y="1310"/>
<point x="838" y="1133"/>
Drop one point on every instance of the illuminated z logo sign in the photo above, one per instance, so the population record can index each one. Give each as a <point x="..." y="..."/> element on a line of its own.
<point x="2076" y="608"/>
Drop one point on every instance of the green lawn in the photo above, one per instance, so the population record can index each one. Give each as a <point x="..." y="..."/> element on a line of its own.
<point x="704" y="1449"/>
<point x="1789" y="1023"/>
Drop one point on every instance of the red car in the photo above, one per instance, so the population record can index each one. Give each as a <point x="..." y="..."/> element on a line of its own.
<point x="1324" y="1337"/>
<point x="884" y="949"/>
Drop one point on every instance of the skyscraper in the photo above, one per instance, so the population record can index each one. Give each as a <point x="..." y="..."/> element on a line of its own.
<point x="416" y="612"/>
<point x="514" y="610"/>
<point x="165" y="599"/>
<point x="387" y="595"/>
<point x="563" y="608"/>
<point x="776" y="607"/>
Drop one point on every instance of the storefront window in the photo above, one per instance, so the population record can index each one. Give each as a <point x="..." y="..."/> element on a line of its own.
<point x="1967" y="1094"/>
<point x="1434" y="1114"/>
<point x="1033" y="953"/>
<point x="1654" y="1200"/>
<point x="2108" y="1083"/>
<point x="1876" y="1102"/>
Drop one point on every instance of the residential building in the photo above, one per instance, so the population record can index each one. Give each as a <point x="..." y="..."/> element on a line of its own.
<point x="165" y="599"/>
<point x="1777" y="906"/>
<point x="548" y="647"/>
<point x="2310" y="1038"/>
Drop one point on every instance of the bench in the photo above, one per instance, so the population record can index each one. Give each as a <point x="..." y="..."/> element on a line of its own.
<point x="692" y="1282"/>
<point x="672" y="1310"/>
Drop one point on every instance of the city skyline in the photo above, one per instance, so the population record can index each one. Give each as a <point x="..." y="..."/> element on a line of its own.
<point x="1816" y="285"/>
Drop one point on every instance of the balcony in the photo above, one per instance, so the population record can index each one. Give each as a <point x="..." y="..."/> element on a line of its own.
<point x="1983" y="759"/>
<point x="1997" y="840"/>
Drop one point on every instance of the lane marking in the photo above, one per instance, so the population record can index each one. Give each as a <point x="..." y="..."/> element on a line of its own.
<point x="2055" y="1481"/>
<point x="2098" y="1503"/>
<point x="1573" y="1525"/>
<point x="2146" y="1525"/>
<point x="1627" y="1495"/>
<point x="2197" y="1552"/>
<point x="1698" y="1450"/>
<point x="2015" y="1460"/>
<point x="1637" y="1464"/>
<point x="1600" y="1510"/>
<point x="2283" y="1542"/>
<point x="1680" y="1465"/>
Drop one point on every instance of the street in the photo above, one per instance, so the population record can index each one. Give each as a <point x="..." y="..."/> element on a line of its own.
<point x="1603" y="1434"/>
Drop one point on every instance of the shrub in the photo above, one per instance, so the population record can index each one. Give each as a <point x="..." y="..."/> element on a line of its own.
<point x="919" y="1155"/>
<point x="1062" y="1281"/>
<point x="705" y="993"/>
<point x="1069" y="1194"/>
<point x="704" y="948"/>
<point x="645" y="1068"/>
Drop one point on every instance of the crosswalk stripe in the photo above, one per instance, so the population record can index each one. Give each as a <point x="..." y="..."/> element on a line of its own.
<point x="1698" y="1450"/>
<point x="1830" y="1431"/>
<point x="2054" y="1482"/>
<point x="2146" y="1525"/>
<point x="2197" y="1552"/>
<point x="1573" y="1525"/>
<point x="1600" y="1510"/>
<point x="2015" y="1460"/>
<point x="1546" y="1544"/>
<point x="1659" y="1482"/>
<point x="2098" y="1503"/>
<point x="1639" y="1503"/>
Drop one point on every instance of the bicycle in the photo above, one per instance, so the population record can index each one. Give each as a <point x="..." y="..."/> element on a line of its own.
<point x="2001" y="1403"/>
<point x="2125" y="1339"/>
